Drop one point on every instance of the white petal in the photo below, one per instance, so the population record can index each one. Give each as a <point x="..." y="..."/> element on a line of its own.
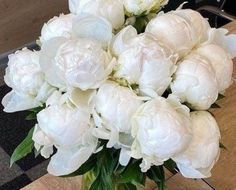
<point x="13" y="102"/>
<point x="66" y="161"/>
<point x="89" y="26"/>
<point x="124" y="157"/>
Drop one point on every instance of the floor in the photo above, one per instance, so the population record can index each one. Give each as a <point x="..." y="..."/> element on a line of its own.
<point x="13" y="129"/>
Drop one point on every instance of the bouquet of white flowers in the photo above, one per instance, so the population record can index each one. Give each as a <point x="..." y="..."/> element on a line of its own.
<point x="119" y="92"/>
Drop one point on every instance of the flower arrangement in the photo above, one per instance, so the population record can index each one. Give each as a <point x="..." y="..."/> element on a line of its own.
<point x="119" y="92"/>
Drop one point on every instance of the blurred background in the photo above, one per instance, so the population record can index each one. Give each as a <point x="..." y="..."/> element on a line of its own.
<point x="20" y="24"/>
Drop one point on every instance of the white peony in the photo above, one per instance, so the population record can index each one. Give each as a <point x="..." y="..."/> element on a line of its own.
<point x="221" y="62"/>
<point x="195" y="82"/>
<point x="111" y="10"/>
<point x="137" y="7"/>
<point x="92" y="27"/>
<point x="81" y="63"/>
<point x="203" y="151"/>
<point x="181" y="30"/>
<point x="116" y="105"/>
<point x="145" y="62"/>
<point x="57" y="27"/>
<point x="69" y="130"/>
<point x="161" y="128"/>
<point x="200" y="24"/>
<point x="65" y="126"/>
<point x="25" y="77"/>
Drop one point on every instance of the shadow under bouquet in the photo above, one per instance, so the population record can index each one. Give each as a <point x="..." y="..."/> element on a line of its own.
<point x="119" y="90"/>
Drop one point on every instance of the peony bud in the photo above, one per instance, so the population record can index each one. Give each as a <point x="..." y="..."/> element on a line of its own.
<point x="203" y="151"/>
<point x="181" y="30"/>
<point x="221" y="62"/>
<point x="57" y="27"/>
<point x="111" y="10"/>
<point x="161" y="128"/>
<point x="195" y="82"/>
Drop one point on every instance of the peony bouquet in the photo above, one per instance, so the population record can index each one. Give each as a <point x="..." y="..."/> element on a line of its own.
<point x="119" y="92"/>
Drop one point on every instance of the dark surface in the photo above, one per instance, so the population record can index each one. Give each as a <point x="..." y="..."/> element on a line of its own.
<point x="16" y="183"/>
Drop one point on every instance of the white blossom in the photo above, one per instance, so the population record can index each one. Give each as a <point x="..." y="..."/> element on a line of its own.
<point x="57" y="27"/>
<point x="81" y="63"/>
<point x="143" y="61"/>
<point x="111" y="10"/>
<point x="181" y="30"/>
<point x="195" y="82"/>
<point x="203" y="151"/>
<point x="221" y="62"/>
<point x="161" y="128"/>
<point x="25" y="77"/>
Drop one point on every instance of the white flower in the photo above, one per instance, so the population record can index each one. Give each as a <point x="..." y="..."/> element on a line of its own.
<point x="137" y="7"/>
<point x="161" y="128"/>
<point x="81" y="63"/>
<point x="115" y="105"/>
<point x="57" y="27"/>
<point x="221" y="62"/>
<point x="111" y="10"/>
<point x="181" y="30"/>
<point x="203" y="151"/>
<point x="26" y="79"/>
<point x="200" y="24"/>
<point x="67" y="128"/>
<point x="144" y="62"/>
<point x="195" y="82"/>
<point x="93" y="27"/>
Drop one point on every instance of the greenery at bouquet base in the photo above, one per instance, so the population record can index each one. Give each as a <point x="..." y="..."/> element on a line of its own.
<point x="103" y="170"/>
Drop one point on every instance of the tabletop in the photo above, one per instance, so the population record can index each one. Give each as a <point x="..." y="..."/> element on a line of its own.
<point x="223" y="174"/>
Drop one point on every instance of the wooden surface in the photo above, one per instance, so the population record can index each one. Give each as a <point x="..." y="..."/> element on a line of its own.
<point x="21" y="20"/>
<point x="223" y="174"/>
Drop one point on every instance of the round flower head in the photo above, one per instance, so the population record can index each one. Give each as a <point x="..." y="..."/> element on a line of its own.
<point x="68" y="128"/>
<point x="116" y="105"/>
<point x="195" y="82"/>
<point x="221" y="62"/>
<point x="57" y="27"/>
<point x="144" y="62"/>
<point x="81" y="63"/>
<point x="161" y="128"/>
<point x="181" y="30"/>
<point x="26" y="79"/>
<point x="137" y="7"/>
<point x="111" y="10"/>
<point x="203" y="151"/>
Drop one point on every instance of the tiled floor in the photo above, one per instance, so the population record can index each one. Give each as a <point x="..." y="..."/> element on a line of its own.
<point x="13" y="129"/>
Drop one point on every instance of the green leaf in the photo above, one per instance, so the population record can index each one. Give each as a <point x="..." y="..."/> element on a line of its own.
<point x="132" y="174"/>
<point x="103" y="181"/>
<point x="170" y="165"/>
<point x="157" y="174"/>
<point x="129" y="186"/>
<point x="23" y="149"/>
<point x="215" y="105"/>
<point x="31" y="116"/>
<point x="223" y="146"/>
<point x="86" y="167"/>
<point x="220" y="97"/>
